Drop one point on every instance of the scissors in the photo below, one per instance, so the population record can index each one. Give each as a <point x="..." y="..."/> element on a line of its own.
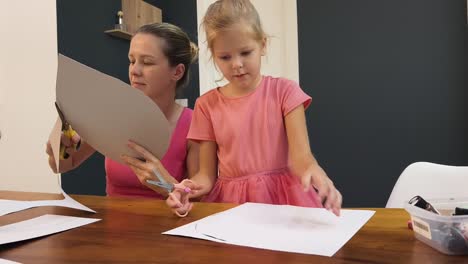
<point x="418" y="201"/>
<point x="68" y="132"/>
<point x="166" y="185"/>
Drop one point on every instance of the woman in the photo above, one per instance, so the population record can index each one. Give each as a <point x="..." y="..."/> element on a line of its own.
<point x="160" y="56"/>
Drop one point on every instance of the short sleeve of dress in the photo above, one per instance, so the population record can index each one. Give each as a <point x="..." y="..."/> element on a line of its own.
<point x="201" y="128"/>
<point x="292" y="96"/>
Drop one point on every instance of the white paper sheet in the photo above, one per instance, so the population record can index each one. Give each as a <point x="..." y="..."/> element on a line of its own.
<point x="107" y="112"/>
<point x="11" y="206"/>
<point x="279" y="227"/>
<point x="6" y="261"/>
<point x="41" y="226"/>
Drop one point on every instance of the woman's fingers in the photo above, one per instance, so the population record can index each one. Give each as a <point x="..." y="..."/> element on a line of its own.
<point x="49" y="149"/>
<point x="66" y="141"/>
<point x="52" y="164"/>
<point x="50" y="153"/>
<point x="142" y="175"/>
<point x="135" y="162"/>
<point x="148" y="156"/>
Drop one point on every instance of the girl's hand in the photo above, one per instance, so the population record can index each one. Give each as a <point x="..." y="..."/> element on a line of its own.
<point x="330" y="197"/>
<point x="314" y="175"/>
<point x="303" y="164"/>
<point x="178" y="199"/>
<point x="144" y="169"/>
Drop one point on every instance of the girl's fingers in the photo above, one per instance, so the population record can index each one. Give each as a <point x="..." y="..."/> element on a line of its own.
<point x="330" y="199"/>
<point x="187" y="207"/>
<point x="337" y="206"/>
<point x="305" y="181"/>
<point x="192" y="185"/>
<point x="173" y="201"/>
<point x="323" y="191"/>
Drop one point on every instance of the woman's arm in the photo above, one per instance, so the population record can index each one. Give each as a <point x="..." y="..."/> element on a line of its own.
<point x="303" y="164"/>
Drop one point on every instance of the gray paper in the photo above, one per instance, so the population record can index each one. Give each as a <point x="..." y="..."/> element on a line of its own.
<point x="107" y="112"/>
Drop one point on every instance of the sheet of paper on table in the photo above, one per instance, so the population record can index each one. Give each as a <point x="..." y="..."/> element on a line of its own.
<point x="11" y="206"/>
<point x="6" y="261"/>
<point x="40" y="226"/>
<point x="279" y="227"/>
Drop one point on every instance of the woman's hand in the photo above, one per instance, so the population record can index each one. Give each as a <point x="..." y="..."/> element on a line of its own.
<point x="143" y="169"/>
<point x="66" y="164"/>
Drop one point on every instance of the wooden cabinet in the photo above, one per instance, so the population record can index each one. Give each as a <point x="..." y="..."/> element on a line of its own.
<point x="135" y="14"/>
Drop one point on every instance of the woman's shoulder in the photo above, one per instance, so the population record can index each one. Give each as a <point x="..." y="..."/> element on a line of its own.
<point x="186" y="114"/>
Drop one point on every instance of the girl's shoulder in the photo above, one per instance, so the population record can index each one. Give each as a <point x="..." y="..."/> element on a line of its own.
<point x="280" y="87"/>
<point x="279" y="82"/>
<point x="208" y="98"/>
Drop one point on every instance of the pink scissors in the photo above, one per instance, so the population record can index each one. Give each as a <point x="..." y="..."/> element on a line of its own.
<point x="170" y="187"/>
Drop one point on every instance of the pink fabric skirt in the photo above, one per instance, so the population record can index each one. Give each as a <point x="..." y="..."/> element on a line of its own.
<point x="270" y="187"/>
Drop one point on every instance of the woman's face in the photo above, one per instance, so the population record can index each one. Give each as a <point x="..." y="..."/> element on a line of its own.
<point x="149" y="69"/>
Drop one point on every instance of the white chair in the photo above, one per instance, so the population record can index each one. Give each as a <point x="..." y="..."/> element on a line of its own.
<point x="430" y="181"/>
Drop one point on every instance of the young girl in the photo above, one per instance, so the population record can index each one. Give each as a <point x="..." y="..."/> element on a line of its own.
<point x="252" y="131"/>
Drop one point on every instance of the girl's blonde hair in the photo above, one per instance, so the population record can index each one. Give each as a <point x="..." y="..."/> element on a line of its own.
<point x="223" y="14"/>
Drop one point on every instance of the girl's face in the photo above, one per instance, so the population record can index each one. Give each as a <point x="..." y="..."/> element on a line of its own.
<point x="149" y="69"/>
<point x="237" y="53"/>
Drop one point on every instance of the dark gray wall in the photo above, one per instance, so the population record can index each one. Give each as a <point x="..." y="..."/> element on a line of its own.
<point x="80" y="29"/>
<point x="388" y="78"/>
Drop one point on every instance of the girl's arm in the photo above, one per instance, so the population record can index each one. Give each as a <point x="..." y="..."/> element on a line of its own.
<point x="200" y="184"/>
<point x="208" y="170"/>
<point x="303" y="164"/>
<point x="192" y="161"/>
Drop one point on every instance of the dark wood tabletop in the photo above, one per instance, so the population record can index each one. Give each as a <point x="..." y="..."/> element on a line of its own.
<point x="130" y="232"/>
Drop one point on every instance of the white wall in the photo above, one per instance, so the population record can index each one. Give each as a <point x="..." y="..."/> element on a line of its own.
<point x="279" y="19"/>
<point x="28" y="66"/>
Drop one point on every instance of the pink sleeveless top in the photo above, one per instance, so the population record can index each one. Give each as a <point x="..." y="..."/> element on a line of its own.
<point x="120" y="179"/>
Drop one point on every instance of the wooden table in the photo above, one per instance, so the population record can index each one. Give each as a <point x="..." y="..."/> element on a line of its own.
<point x="130" y="232"/>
